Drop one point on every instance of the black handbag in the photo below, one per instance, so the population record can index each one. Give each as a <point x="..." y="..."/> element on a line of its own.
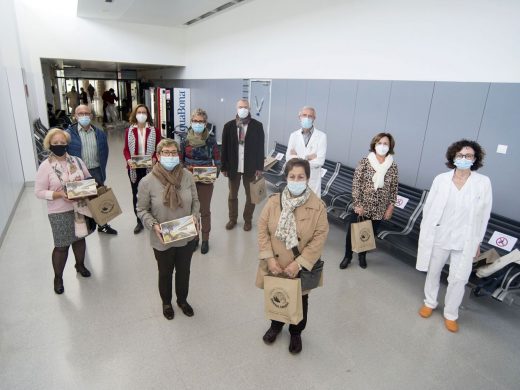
<point x="309" y="279"/>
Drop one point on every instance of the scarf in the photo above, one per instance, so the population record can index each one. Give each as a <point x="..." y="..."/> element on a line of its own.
<point x="379" y="177"/>
<point x="195" y="141"/>
<point x="241" y="123"/>
<point x="286" y="229"/>
<point x="172" y="184"/>
<point x="150" y="147"/>
<point x="80" y="206"/>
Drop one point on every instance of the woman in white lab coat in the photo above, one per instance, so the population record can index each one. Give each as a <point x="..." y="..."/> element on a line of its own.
<point x="310" y="144"/>
<point x="455" y="218"/>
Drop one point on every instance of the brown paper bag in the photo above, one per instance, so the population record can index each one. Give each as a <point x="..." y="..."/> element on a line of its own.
<point x="257" y="190"/>
<point x="269" y="162"/>
<point x="362" y="236"/>
<point x="283" y="299"/>
<point x="104" y="207"/>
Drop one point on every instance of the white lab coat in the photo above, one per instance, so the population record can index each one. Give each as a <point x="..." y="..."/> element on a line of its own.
<point x="474" y="226"/>
<point x="317" y="144"/>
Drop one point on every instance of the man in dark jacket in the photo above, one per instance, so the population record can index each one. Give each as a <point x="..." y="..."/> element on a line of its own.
<point x="90" y="144"/>
<point x="242" y="158"/>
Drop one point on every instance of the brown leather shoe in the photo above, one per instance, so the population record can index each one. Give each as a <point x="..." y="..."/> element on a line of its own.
<point x="452" y="326"/>
<point x="247" y="226"/>
<point x="425" y="311"/>
<point x="230" y="225"/>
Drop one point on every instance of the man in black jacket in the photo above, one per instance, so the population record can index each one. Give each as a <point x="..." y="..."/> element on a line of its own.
<point x="242" y="158"/>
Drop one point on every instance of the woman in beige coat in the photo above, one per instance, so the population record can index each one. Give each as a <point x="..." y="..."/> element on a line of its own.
<point x="296" y="217"/>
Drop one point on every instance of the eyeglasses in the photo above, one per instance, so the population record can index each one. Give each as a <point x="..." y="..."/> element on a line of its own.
<point x="467" y="156"/>
<point x="169" y="153"/>
<point x="195" y="121"/>
<point x="82" y="114"/>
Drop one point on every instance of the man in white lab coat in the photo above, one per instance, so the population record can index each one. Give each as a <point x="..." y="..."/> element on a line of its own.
<point x="310" y="144"/>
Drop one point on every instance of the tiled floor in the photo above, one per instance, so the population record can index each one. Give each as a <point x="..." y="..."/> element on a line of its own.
<point x="108" y="332"/>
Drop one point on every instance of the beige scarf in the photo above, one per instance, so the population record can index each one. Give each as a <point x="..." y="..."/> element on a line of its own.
<point x="286" y="229"/>
<point x="197" y="141"/>
<point x="171" y="180"/>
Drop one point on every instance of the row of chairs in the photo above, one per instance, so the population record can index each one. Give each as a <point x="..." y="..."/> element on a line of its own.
<point x="39" y="133"/>
<point x="401" y="233"/>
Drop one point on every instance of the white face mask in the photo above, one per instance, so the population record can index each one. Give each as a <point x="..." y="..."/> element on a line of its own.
<point x="141" y="118"/>
<point x="242" y="113"/>
<point x="381" y="149"/>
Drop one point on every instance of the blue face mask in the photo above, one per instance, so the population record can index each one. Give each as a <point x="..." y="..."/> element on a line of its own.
<point x="296" y="188"/>
<point x="198" y="127"/>
<point x="169" y="162"/>
<point x="84" y="121"/>
<point x="306" y="123"/>
<point x="462" y="163"/>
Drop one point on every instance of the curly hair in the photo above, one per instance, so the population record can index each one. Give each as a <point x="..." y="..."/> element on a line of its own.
<point x="297" y="162"/>
<point x="456" y="147"/>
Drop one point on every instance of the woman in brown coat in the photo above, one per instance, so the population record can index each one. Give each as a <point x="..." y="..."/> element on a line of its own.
<point x="374" y="190"/>
<point x="302" y="223"/>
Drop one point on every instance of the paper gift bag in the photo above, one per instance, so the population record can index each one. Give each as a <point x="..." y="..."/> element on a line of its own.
<point x="104" y="207"/>
<point x="269" y="162"/>
<point x="257" y="190"/>
<point x="283" y="299"/>
<point x="362" y="236"/>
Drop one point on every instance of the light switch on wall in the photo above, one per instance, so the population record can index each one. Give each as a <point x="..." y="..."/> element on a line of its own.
<point x="502" y="149"/>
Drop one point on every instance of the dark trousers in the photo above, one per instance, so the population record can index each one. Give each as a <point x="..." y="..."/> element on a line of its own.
<point x="140" y="173"/>
<point x="300" y="326"/>
<point x="205" y="192"/>
<point x="178" y="259"/>
<point x="234" y="185"/>
<point x="348" y="241"/>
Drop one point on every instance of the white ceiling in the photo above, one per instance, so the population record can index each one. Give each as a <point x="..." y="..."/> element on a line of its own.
<point x="170" y="13"/>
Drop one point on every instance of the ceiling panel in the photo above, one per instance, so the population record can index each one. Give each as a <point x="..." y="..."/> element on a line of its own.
<point x="171" y="13"/>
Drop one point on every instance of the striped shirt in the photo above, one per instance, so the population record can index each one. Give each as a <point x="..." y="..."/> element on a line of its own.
<point x="89" y="150"/>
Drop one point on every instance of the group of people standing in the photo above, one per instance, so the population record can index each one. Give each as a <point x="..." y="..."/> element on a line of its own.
<point x="293" y="226"/>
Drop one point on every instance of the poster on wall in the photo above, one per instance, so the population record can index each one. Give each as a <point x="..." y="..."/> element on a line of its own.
<point x="181" y="110"/>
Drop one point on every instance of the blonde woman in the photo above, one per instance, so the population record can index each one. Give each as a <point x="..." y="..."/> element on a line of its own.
<point x="67" y="218"/>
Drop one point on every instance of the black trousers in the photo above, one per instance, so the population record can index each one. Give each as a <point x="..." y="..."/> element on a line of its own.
<point x="140" y="173"/>
<point x="298" y="328"/>
<point x="178" y="259"/>
<point x="348" y="241"/>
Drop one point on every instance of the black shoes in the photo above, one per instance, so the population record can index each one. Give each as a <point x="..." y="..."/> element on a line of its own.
<point x="270" y="335"/>
<point x="138" y="228"/>
<point x="186" y="309"/>
<point x="107" y="229"/>
<point x="345" y="262"/>
<point x="295" y="346"/>
<point x="58" y="285"/>
<point x="168" y="312"/>
<point x="204" y="248"/>
<point x="362" y="257"/>
<point x="82" y="270"/>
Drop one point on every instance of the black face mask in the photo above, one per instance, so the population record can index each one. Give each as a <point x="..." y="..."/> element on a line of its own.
<point x="58" y="150"/>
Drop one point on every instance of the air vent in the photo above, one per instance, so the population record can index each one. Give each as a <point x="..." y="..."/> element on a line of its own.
<point x="213" y="12"/>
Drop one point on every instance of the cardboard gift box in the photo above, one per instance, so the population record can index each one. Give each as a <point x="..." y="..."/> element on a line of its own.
<point x="269" y="162"/>
<point x="104" y="207"/>
<point x="178" y="229"/>
<point x="142" y="161"/>
<point x="205" y="174"/>
<point x="81" y="189"/>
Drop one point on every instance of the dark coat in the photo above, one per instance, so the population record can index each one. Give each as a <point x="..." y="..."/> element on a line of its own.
<point x="254" y="148"/>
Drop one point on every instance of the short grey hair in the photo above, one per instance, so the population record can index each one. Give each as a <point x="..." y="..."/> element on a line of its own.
<point x="199" y="112"/>
<point x="307" y="108"/>
<point x="243" y="100"/>
<point x="165" y="142"/>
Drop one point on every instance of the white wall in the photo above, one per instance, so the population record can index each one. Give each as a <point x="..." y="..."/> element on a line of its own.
<point x="439" y="40"/>
<point x="51" y="29"/>
<point x="16" y="152"/>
